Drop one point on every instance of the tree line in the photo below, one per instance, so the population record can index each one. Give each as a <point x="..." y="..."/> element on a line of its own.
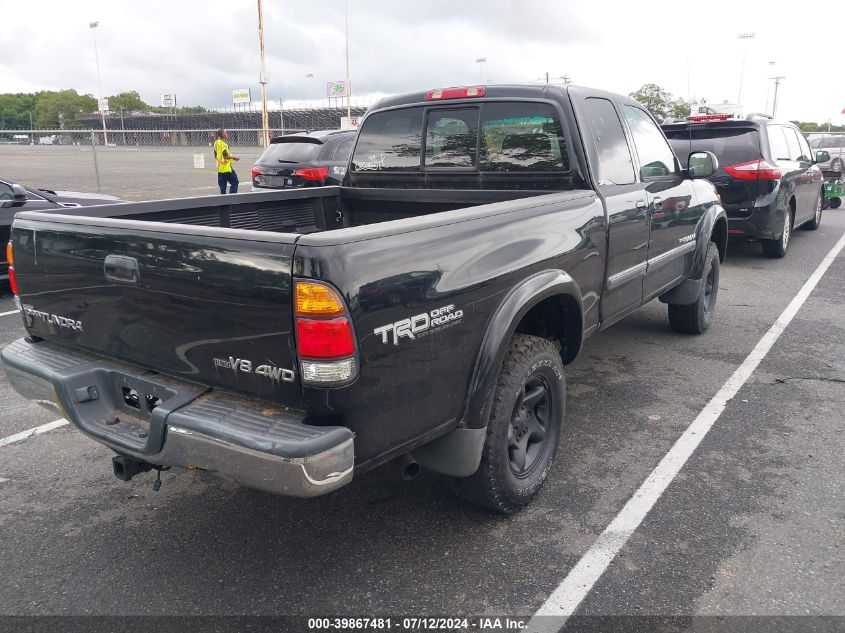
<point x="51" y="109"/>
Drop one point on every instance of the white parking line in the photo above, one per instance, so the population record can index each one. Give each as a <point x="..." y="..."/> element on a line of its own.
<point x="10" y="312"/>
<point x="38" y="430"/>
<point x="564" y="600"/>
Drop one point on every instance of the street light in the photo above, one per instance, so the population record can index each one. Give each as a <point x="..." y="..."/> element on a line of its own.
<point x="480" y="61"/>
<point x="93" y="26"/>
<point x="265" y="123"/>
<point x="743" y="36"/>
<point x="309" y="77"/>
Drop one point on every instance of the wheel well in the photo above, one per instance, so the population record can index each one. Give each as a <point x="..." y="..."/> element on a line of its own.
<point x="557" y="318"/>
<point x="720" y="237"/>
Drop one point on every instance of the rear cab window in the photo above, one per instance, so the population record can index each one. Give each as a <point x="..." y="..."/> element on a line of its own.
<point x="490" y="137"/>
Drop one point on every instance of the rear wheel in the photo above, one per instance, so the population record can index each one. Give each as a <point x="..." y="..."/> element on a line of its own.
<point x="837" y="165"/>
<point x="524" y="427"/>
<point x="835" y="203"/>
<point x="695" y="318"/>
<point x="813" y="224"/>
<point x="778" y="248"/>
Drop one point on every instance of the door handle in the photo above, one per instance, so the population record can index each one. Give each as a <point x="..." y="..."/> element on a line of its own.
<point x="120" y="268"/>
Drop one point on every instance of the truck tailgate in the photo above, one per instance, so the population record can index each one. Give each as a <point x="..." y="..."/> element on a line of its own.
<point x="207" y="305"/>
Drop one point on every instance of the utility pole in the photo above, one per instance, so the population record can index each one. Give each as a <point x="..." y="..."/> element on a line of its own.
<point x="265" y="123"/>
<point x="348" y="85"/>
<point x="480" y="61"/>
<point x="309" y="77"/>
<point x="775" y="102"/>
<point x="769" y="87"/>
<point x="743" y="36"/>
<point x="93" y="26"/>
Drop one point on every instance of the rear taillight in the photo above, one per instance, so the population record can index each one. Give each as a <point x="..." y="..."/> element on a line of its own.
<point x="458" y="92"/>
<point x="315" y="174"/>
<point x="753" y="170"/>
<point x="325" y="341"/>
<point x="256" y="171"/>
<point x="13" y="283"/>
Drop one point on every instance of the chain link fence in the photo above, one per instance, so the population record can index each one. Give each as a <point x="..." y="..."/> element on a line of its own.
<point x="129" y="164"/>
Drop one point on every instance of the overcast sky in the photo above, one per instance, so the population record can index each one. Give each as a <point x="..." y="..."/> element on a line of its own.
<point x="202" y="49"/>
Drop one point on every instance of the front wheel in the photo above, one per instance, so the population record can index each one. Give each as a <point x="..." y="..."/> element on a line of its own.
<point x="695" y="318"/>
<point x="524" y="427"/>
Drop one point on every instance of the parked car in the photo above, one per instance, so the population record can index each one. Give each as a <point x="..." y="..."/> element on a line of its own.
<point x="833" y="144"/>
<point x="310" y="159"/>
<point x="15" y="197"/>
<point x="423" y="311"/>
<point x="768" y="178"/>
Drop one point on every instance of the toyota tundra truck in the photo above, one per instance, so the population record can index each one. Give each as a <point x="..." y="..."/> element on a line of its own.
<point x="423" y="312"/>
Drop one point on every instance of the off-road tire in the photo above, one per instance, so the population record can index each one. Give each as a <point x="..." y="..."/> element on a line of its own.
<point x="496" y="485"/>
<point x="695" y="318"/>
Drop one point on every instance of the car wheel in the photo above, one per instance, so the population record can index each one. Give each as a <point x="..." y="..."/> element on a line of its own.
<point x="813" y="224"/>
<point x="835" y="203"/>
<point x="837" y="165"/>
<point x="695" y="318"/>
<point x="524" y="428"/>
<point x="778" y="247"/>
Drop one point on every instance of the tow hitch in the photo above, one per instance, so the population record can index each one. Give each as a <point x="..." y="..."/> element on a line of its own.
<point x="125" y="468"/>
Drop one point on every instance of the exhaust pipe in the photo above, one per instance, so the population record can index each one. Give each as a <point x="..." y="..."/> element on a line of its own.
<point x="410" y="467"/>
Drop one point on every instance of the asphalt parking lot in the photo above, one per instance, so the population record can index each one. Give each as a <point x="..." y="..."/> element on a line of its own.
<point x="751" y="526"/>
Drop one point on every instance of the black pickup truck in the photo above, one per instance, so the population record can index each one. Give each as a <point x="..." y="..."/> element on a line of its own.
<point x="422" y="312"/>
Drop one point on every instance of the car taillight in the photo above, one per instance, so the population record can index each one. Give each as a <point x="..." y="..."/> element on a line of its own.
<point x="325" y="341"/>
<point x="458" y="92"/>
<point x="312" y="173"/>
<point x="753" y="170"/>
<point x="13" y="283"/>
<point x="256" y="171"/>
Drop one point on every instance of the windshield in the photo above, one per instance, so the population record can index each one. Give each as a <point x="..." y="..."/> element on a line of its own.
<point x="730" y="145"/>
<point x="291" y="152"/>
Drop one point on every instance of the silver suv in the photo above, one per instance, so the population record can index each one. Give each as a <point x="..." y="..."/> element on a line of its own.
<point x="833" y="144"/>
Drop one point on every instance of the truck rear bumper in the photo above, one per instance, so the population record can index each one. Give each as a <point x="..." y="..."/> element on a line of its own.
<point x="180" y="424"/>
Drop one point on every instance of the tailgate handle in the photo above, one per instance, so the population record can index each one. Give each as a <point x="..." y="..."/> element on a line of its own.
<point x="121" y="268"/>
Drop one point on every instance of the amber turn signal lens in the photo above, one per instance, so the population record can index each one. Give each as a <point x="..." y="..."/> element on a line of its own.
<point x="9" y="257"/>
<point x="317" y="300"/>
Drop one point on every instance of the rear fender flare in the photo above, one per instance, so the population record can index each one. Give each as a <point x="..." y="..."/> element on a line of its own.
<point x="500" y="329"/>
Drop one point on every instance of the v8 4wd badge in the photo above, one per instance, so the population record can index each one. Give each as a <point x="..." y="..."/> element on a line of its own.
<point x="419" y="324"/>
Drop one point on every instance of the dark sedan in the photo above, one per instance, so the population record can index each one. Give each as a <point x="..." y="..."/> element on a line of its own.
<point x="15" y="197"/>
<point x="311" y="159"/>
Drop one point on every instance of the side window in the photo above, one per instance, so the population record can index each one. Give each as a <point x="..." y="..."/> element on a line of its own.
<point x="656" y="157"/>
<point x="615" y="164"/>
<point x="792" y="142"/>
<point x="522" y="137"/>
<point x="342" y="149"/>
<point x="777" y="142"/>
<point x="450" y="138"/>
<point x="806" y="154"/>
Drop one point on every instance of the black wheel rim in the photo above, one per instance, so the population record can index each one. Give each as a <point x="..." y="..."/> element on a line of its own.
<point x="709" y="289"/>
<point x="528" y="433"/>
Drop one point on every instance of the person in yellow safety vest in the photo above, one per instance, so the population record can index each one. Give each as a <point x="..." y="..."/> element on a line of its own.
<point x="225" y="173"/>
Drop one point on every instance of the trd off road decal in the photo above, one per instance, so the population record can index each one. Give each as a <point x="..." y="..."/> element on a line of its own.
<point x="419" y="324"/>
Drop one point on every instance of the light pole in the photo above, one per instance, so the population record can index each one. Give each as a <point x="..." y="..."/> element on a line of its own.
<point x="775" y="101"/>
<point x="93" y="26"/>
<point x="743" y="36"/>
<point x="309" y="77"/>
<point x="480" y="61"/>
<point x="265" y="123"/>
<point x="348" y="85"/>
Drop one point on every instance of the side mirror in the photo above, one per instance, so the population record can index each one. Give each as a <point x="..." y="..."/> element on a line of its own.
<point x="702" y="164"/>
<point x="19" y="192"/>
<point x="822" y="156"/>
